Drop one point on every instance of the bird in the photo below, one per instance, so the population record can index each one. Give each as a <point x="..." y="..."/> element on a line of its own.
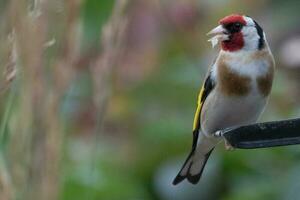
<point x="235" y="91"/>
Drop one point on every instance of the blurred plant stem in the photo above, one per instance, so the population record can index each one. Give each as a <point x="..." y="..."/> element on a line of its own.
<point x="37" y="132"/>
<point x="30" y="166"/>
<point x="112" y="41"/>
<point x="38" y="107"/>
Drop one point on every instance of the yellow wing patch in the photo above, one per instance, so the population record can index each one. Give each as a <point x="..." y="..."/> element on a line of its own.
<point x="207" y="87"/>
<point x="198" y="110"/>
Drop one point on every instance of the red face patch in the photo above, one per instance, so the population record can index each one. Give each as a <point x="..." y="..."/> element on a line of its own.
<point x="236" y="41"/>
<point x="233" y="19"/>
<point x="234" y="44"/>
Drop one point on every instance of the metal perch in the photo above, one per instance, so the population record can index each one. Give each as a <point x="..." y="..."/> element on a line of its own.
<point x="263" y="135"/>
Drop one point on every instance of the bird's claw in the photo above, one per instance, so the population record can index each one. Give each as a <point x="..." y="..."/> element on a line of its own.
<point x="218" y="134"/>
<point x="228" y="146"/>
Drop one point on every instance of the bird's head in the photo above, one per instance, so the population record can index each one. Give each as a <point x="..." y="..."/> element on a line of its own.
<point x="237" y="32"/>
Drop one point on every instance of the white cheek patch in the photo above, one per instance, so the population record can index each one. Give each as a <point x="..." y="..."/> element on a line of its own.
<point x="249" y="21"/>
<point x="217" y="38"/>
<point x="251" y="38"/>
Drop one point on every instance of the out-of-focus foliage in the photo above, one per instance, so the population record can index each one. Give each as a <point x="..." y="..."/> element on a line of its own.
<point x="101" y="97"/>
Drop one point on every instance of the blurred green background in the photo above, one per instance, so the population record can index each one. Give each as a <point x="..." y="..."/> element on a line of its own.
<point x="120" y="126"/>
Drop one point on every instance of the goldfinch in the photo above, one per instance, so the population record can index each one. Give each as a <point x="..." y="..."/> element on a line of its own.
<point x="235" y="90"/>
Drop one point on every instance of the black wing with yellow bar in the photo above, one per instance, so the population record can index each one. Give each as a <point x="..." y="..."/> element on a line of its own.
<point x="204" y="92"/>
<point x="206" y="89"/>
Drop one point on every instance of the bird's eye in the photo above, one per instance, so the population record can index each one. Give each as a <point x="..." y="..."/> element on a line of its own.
<point x="234" y="27"/>
<point x="237" y="26"/>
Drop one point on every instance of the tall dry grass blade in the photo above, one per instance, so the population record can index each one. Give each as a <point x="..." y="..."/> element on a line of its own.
<point x="112" y="38"/>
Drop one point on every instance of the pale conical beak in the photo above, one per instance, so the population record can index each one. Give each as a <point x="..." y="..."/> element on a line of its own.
<point x="219" y="30"/>
<point x="218" y="34"/>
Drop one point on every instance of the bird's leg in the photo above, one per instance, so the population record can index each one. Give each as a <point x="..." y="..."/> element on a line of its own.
<point x="228" y="146"/>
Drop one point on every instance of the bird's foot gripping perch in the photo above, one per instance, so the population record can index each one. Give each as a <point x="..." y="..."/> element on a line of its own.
<point x="219" y="134"/>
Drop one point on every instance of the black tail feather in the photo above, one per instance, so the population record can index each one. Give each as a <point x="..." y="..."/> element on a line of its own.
<point x="180" y="178"/>
<point x="191" y="178"/>
<point x="194" y="179"/>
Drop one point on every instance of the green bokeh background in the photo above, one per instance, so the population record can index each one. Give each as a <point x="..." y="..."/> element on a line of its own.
<point x="154" y="112"/>
<point x="146" y="132"/>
